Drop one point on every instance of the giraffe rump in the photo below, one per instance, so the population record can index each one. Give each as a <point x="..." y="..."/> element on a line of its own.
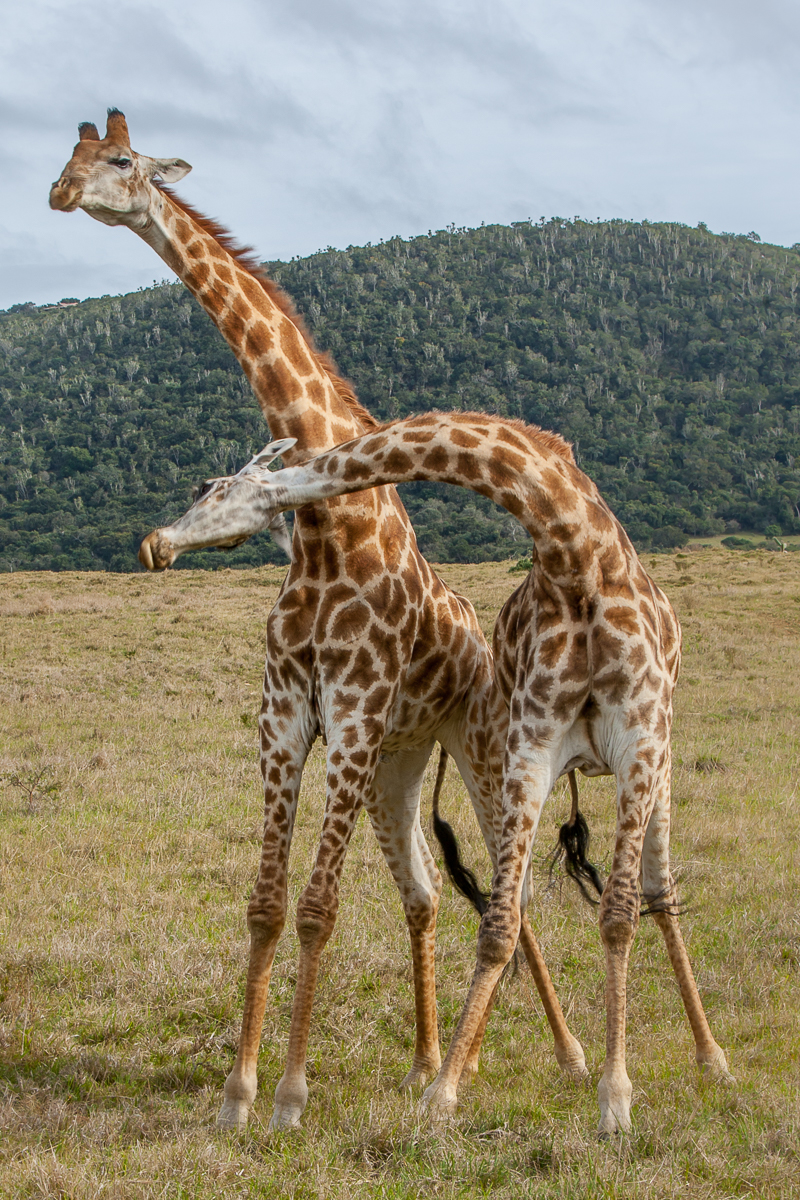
<point x="245" y="257"/>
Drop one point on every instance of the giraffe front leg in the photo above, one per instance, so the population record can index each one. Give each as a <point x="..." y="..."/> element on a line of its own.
<point x="568" y="1050"/>
<point x="476" y="744"/>
<point x="282" y="767"/>
<point x="710" y="1056"/>
<point x="316" y="915"/>
<point x="394" y="813"/>
<point x="470" y="1068"/>
<point x="242" y="1084"/>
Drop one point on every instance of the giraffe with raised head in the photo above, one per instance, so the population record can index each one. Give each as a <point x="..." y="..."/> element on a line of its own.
<point x="366" y="645"/>
<point x="587" y="652"/>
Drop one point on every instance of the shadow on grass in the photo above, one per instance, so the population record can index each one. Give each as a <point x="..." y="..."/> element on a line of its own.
<point x="90" y="1076"/>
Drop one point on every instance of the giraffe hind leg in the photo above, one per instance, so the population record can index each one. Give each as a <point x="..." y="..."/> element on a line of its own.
<point x="660" y="898"/>
<point x="568" y="1050"/>
<point x="619" y="920"/>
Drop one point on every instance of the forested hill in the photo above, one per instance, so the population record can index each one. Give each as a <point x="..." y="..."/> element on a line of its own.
<point x="670" y="356"/>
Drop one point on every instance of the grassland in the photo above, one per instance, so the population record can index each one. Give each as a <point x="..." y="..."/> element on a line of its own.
<point x="130" y="813"/>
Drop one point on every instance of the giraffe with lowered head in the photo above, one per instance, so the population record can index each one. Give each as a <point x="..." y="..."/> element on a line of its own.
<point x="587" y="652"/>
<point x="365" y="645"/>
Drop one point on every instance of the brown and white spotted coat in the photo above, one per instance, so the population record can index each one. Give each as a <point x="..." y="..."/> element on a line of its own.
<point x="587" y="652"/>
<point x="366" y="645"/>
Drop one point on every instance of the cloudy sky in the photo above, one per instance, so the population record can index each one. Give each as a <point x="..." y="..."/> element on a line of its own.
<point x="336" y="122"/>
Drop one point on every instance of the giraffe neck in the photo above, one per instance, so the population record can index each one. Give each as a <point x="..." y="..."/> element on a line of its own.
<point x="579" y="544"/>
<point x="297" y="394"/>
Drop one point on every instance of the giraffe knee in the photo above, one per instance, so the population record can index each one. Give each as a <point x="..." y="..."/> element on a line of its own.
<point x="497" y="939"/>
<point x="315" y="919"/>
<point x="421" y="908"/>
<point x="266" y="918"/>
<point x="618" y="922"/>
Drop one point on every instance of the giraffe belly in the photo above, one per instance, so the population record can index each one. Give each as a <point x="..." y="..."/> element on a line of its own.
<point x="413" y="722"/>
<point x="579" y="752"/>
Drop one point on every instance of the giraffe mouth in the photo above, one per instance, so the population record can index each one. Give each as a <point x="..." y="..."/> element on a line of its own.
<point x="64" y="197"/>
<point x="155" y="554"/>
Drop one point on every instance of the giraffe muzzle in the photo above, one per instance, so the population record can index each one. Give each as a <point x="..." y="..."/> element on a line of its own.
<point x="155" y="553"/>
<point x="65" y="195"/>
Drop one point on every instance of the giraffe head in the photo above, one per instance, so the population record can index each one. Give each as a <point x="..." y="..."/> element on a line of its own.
<point x="226" y="511"/>
<point x="108" y="180"/>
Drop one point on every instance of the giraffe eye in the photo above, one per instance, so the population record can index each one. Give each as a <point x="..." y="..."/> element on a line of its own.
<point x="120" y="162"/>
<point x="199" y="492"/>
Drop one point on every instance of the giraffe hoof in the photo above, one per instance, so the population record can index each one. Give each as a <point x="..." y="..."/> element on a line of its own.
<point x="439" y="1104"/>
<point x="233" y="1116"/>
<point x="468" y="1074"/>
<point x="612" y="1125"/>
<point x="572" y="1061"/>
<point x="285" y="1116"/>
<point x="417" y="1077"/>
<point x="615" y="1096"/>
<point x="715" y="1070"/>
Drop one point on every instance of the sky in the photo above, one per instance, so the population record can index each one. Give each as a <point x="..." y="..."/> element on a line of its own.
<point x="335" y="122"/>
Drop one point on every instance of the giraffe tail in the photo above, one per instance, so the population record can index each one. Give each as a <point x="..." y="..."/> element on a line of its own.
<point x="572" y="848"/>
<point x="460" y="876"/>
<point x="462" y="879"/>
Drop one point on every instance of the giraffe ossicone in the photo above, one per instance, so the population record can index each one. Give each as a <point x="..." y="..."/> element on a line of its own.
<point x="365" y="645"/>
<point x="587" y="653"/>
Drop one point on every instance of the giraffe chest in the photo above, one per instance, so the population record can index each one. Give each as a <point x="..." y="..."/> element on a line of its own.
<point x="356" y="661"/>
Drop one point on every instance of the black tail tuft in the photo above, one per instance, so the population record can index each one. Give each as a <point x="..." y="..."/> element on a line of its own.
<point x="661" y="903"/>
<point x="460" y="876"/>
<point x="462" y="879"/>
<point x="571" y="849"/>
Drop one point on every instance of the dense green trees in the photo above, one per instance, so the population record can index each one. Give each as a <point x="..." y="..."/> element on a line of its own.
<point x="669" y="356"/>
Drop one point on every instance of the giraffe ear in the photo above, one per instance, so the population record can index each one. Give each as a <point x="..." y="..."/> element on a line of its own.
<point x="168" y="170"/>
<point x="261" y="461"/>
<point x="280" y="532"/>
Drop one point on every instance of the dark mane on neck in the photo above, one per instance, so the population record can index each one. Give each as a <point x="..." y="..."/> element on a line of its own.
<point x="245" y="257"/>
<point x="543" y="437"/>
<point x="555" y="442"/>
<point x="547" y="438"/>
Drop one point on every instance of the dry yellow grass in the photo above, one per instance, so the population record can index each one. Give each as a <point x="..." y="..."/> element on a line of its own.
<point x="130" y="815"/>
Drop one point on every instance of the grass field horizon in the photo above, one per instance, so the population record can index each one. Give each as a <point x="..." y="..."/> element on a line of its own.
<point x="130" y="811"/>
